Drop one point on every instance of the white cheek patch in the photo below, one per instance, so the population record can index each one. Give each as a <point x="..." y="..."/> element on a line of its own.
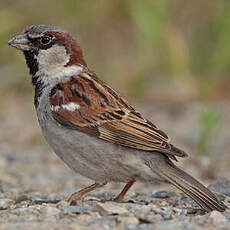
<point x="66" y="71"/>
<point x="70" y="107"/>
<point x="52" y="63"/>
<point x="54" y="56"/>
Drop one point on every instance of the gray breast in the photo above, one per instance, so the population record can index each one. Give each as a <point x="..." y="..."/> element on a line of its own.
<point x="89" y="156"/>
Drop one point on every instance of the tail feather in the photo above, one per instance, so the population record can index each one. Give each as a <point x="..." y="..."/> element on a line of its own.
<point x="206" y="202"/>
<point x="190" y="186"/>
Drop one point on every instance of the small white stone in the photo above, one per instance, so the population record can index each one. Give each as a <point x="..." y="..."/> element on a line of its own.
<point x="5" y="203"/>
<point x="49" y="210"/>
<point x="217" y="217"/>
<point x="127" y="220"/>
<point x="109" y="208"/>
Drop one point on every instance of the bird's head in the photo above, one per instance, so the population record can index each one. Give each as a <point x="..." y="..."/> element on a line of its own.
<point x="49" y="51"/>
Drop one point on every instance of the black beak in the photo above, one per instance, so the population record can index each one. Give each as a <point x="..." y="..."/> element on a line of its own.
<point x="20" y="42"/>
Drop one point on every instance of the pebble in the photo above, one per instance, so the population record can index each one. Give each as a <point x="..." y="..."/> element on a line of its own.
<point x="221" y="186"/>
<point x="49" y="211"/>
<point x="5" y="203"/>
<point x="164" y="194"/>
<point x="84" y="218"/>
<point x="21" y="197"/>
<point x="217" y="217"/>
<point x="127" y="220"/>
<point x="109" y="208"/>
<point x="26" y="211"/>
<point x="166" y="213"/>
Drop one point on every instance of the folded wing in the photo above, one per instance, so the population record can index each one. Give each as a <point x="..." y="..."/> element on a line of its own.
<point x="86" y="104"/>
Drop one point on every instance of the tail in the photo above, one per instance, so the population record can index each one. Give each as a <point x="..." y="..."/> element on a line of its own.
<point x="190" y="186"/>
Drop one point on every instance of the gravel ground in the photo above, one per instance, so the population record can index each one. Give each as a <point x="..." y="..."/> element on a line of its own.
<point x="35" y="183"/>
<point x="160" y="209"/>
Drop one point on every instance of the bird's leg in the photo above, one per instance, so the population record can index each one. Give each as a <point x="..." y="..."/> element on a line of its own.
<point x="77" y="195"/>
<point x="120" y="196"/>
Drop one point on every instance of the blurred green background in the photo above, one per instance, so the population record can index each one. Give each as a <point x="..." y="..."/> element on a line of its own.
<point x="156" y="51"/>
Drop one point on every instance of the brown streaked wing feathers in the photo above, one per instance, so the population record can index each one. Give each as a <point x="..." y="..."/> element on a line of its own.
<point x="103" y="113"/>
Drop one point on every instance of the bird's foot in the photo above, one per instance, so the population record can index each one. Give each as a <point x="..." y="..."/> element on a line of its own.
<point x="75" y="197"/>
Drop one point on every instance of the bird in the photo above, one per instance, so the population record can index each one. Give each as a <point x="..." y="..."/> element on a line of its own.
<point x="92" y="128"/>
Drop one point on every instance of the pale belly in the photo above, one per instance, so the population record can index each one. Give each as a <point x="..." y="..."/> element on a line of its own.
<point x="96" y="159"/>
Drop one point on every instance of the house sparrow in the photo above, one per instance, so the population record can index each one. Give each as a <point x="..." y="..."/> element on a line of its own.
<point x="94" y="130"/>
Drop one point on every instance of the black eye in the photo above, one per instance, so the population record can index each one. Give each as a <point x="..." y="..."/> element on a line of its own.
<point x="45" y="40"/>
